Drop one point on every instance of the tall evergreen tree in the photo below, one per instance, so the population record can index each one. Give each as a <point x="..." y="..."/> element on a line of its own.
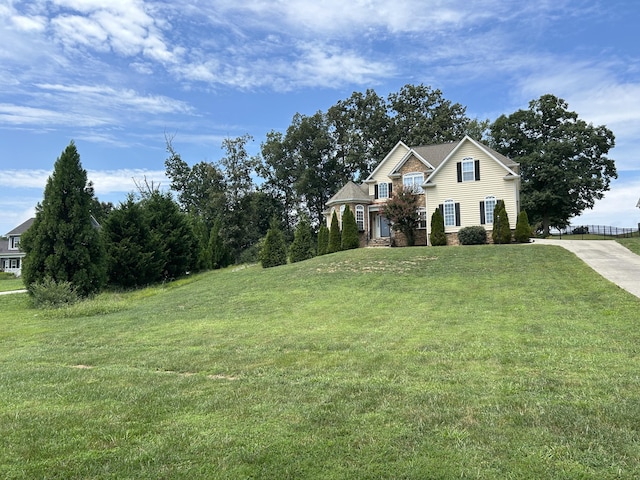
<point x="501" y="228"/>
<point x="302" y="246"/>
<point x="349" y="237"/>
<point x="323" y="239"/>
<point x="174" y="232"/>
<point x="437" y="237"/>
<point x="335" y="239"/>
<point x="219" y="253"/>
<point x="523" y="230"/>
<point x="274" y="249"/>
<point x="64" y="243"/>
<point x="135" y="256"/>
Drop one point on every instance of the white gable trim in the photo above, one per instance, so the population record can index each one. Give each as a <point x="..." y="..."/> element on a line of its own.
<point x="370" y="178"/>
<point x="406" y="157"/>
<point x="467" y="138"/>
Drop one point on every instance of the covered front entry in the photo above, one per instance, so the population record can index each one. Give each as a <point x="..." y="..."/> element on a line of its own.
<point x="381" y="227"/>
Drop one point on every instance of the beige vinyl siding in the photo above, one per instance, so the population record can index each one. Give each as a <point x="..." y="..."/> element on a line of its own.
<point x="385" y="168"/>
<point x="470" y="194"/>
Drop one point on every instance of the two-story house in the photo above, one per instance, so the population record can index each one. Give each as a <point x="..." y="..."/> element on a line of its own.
<point x="10" y="253"/>
<point x="463" y="179"/>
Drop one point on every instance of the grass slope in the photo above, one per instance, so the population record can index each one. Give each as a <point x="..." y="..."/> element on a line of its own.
<point x="470" y="362"/>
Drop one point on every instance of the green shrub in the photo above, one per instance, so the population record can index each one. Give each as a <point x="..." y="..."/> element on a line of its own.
<point x="302" y="246"/>
<point x="501" y="229"/>
<point x="523" y="230"/>
<point x="274" y="249"/>
<point x="335" y="239"/>
<point x="476" y="235"/>
<point x="350" y="237"/>
<point x="437" y="237"/>
<point x="48" y="293"/>
<point x="323" y="239"/>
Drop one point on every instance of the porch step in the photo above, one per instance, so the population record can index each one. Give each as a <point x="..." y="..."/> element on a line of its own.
<point x="379" y="242"/>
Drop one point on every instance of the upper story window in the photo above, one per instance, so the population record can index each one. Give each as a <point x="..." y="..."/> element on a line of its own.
<point x="468" y="170"/>
<point x="360" y="217"/>
<point x="413" y="182"/>
<point x="383" y="190"/>
<point x="14" y="243"/>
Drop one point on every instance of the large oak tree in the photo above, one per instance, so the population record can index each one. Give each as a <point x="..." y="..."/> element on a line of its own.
<point x="563" y="160"/>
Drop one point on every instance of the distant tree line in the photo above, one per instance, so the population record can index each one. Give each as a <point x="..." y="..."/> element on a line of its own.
<point x="269" y="207"/>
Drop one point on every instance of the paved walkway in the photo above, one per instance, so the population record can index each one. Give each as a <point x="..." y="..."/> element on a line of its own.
<point x="13" y="291"/>
<point x="607" y="257"/>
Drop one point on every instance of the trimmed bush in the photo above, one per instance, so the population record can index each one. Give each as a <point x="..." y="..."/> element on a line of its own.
<point x="302" y="246"/>
<point x="523" y="230"/>
<point x="476" y="235"/>
<point x="335" y="240"/>
<point x="437" y="236"/>
<point x="349" y="238"/>
<point x="323" y="239"/>
<point x="501" y="228"/>
<point x="274" y="250"/>
<point x="48" y="293"/>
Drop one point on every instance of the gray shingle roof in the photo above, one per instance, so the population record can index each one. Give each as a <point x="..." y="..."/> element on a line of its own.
<point x="23" y="227"/>
<point x="351" y="193"/>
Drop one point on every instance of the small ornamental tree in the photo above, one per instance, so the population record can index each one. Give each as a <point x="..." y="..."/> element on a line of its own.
<point x="323" y="239"/>
<point x="274" y="250"/>
<point x="335" y="240"/>
<point x="437" y="237"/>
<point x="302" y="246"/>
<point x="350" y="238"/>
<point x="63" y="243"/>
<point x="501" y="228"/>
<point x="402" y="211"/>
<point x="523" y="230"/>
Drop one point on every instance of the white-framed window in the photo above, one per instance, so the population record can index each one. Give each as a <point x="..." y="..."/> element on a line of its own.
<point x="360" y="217"/>
<point x="383" y="190"/>
<point x="413" y="181"/>
<point x="342" y="207"/>
<point x="449" y="213"/>
<point x="422" y="218"/>
<point x="489" y="207"/>
<point x="468" y="170"/>
<point x="15" y="243"/>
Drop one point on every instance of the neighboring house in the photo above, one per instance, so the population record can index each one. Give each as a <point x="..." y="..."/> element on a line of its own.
<point x="11" y="255"/>
<point x="463" y="179"/>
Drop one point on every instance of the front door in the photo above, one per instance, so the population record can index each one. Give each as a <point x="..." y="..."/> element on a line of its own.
<point x="384" y="226"/>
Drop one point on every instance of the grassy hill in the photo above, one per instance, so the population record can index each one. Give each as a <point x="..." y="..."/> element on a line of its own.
<point x="471" y="362"/>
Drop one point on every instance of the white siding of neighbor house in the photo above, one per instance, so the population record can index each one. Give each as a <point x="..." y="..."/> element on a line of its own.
<point x="386" y="167"/>
<point x="470" y="194"/>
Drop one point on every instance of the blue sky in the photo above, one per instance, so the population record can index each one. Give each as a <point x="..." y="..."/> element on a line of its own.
<point x="117" y="75"/>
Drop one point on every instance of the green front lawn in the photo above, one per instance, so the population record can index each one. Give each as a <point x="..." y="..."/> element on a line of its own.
<point x="496" y="362"/>
<point x="632" y="244"/>
<point x="10" y="282"/>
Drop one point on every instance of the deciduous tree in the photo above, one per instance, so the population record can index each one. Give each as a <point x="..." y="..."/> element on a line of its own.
<point x="563" y="160"/>
<point x="402" y="210"/>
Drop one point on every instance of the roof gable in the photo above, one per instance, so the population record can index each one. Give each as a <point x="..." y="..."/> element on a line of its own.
<point x="20" y="229"/>
<point x="506" y="163"/>
<point x="386" y="159"/>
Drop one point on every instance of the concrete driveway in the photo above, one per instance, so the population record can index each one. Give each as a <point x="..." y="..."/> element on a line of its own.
<point x="607" y="257"/>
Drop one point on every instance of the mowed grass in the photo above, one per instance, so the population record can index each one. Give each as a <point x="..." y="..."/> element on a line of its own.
<point x="458" y="362"/>
<point x="9" y="282"/>
<point x="632" y="244"/>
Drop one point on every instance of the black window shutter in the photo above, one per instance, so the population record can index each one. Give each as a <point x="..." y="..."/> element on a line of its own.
<point x="477" y="169"/>
<point x="457" y="214"/>
<point x="375" y="195"/>
<point x="441" y="208"/>
<point x="459" y="168"/>
<point x="390" y="189"/>
<point x="482" y="215"/>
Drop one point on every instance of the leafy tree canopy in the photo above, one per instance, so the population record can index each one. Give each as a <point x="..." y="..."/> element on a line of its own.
<point x="402" y="210"/>
<point x="563" y="160"/>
